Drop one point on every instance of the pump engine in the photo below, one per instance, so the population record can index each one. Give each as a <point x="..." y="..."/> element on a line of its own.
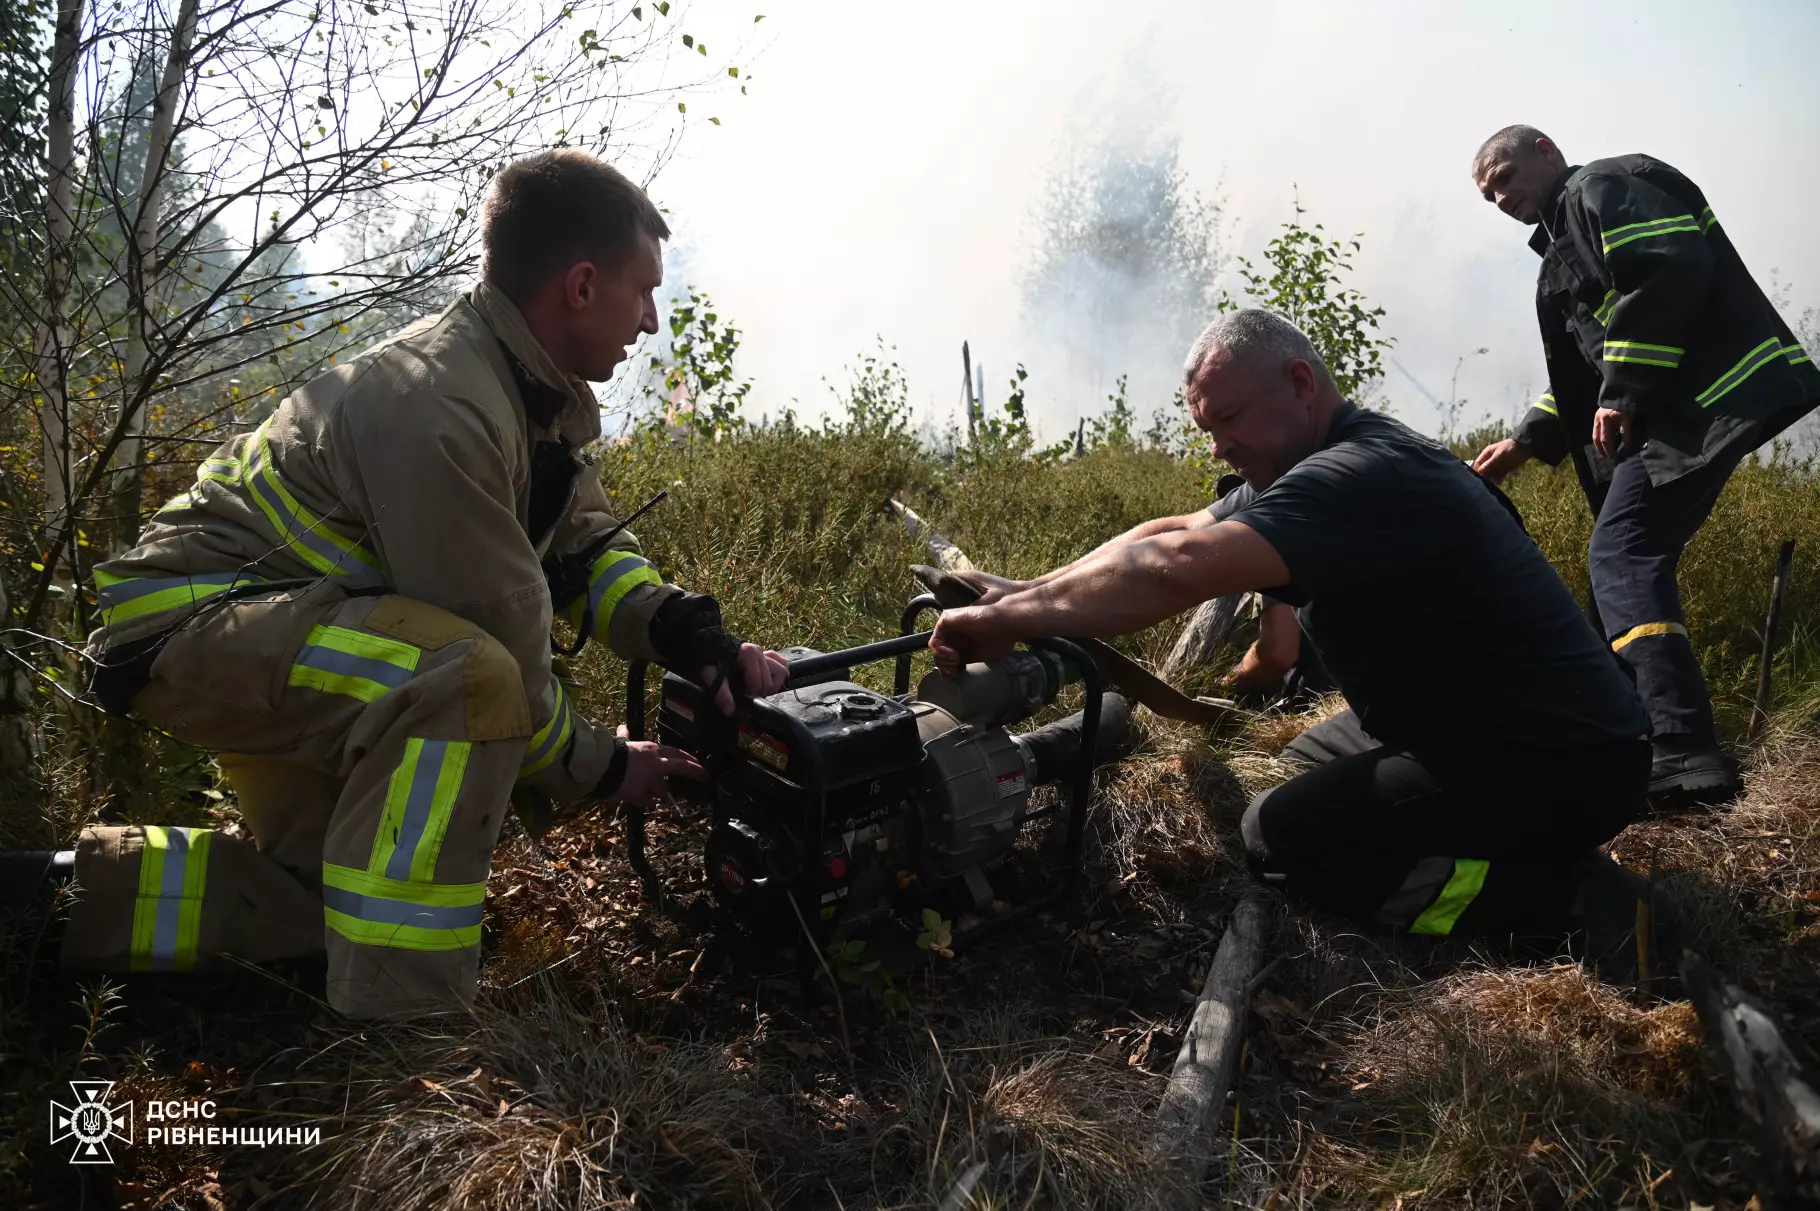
<point x="858" y="805"/>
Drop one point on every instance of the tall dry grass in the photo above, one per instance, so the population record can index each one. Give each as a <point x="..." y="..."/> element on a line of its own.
<point x="602" y="1071"/>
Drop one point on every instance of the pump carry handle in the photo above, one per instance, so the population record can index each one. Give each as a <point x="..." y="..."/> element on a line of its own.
<point x="954" y="590"/>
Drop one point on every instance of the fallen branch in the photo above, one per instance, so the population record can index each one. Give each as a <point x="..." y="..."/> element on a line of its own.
<point x="946" y="555"/>
<point x="1183" y="1142"/>
<point x="1767" y="1085"/>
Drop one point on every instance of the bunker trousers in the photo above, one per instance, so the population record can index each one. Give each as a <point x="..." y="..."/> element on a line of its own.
<point x="372" y="743"/>
<point x="1485" y="843"/>
<point x="1634" y="556"/>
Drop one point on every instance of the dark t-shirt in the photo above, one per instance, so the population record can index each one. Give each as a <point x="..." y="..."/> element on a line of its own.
<point x="1440" y="619"/>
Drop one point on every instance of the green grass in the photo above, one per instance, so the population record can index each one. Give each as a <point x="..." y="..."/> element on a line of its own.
<point x="1378" y="1074"/>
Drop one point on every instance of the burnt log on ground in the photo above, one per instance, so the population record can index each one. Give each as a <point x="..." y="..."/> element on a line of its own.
<point x="1182" y="1144"/>
<point x="1771" y="1092"/>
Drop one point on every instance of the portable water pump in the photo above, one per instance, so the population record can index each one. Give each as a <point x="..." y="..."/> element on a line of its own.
<point x="834" y="804"/>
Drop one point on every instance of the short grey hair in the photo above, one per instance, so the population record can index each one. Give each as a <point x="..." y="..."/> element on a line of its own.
<point x="1253" y="340"/>
<point x="1512" y="141"/>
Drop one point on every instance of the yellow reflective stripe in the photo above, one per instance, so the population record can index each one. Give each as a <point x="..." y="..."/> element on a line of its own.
<point x="167" y="910"/>
<point x="442" y="809"/>
<point x="189" y="911"/>
<point x="336" y="660"/>
<point x="1644" y="345"/>
<point x="547" y="745"/>
<point x="420" y="798"/>
<point x="1795" y="354"/>
<point x="145" y="904"/>
<point x="122" y="598"/>
<point x="1547" y="404"/>
<point x="613" y="575"/>
<point x="373" y="910"/>
<point x="1675" y="218"/>
<point x="221" y="470"/>
<point x="1643" y="353"/>
<point x="1645" y="630"/>
<point x="370" y="647"/>
<point x="400" y="937"/>
<point x="1603" y="311"/>
<point x="1707" y="220"/>
<point x="1638" y="231"/>
<point x="1748" y="365"/>
<point x="307" y="535"/>
<point x="186" y="499"/>
<point x="391" y="819"/>
<point x="430" y="895"/>
<point x="1462" y="888"/>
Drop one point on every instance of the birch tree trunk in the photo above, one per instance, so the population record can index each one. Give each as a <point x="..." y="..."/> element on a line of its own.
<point x="142" y="281"/>
<point x="54" y="338"/>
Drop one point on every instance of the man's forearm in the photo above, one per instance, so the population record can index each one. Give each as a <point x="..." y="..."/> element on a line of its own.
<point x="1137" y="583"/>
<point x="1137" y="533"/>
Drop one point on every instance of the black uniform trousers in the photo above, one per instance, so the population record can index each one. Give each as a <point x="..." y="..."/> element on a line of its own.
<point x="1482" y="842"/>
<point x="1634" y="557"/>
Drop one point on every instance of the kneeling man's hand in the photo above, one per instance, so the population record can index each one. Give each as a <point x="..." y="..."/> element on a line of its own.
<point x="965" y="635"/>
<point x="647" y="765"/>
<point x="1499" y="459"/>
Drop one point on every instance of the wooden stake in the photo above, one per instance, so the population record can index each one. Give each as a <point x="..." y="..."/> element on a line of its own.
<point x="967" y="385"/>
<point x="1778" y="590"/>
<point x="1183" y="1142"/>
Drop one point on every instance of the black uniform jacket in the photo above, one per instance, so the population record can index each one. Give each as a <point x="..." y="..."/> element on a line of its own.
<point x="1646" y="308"/>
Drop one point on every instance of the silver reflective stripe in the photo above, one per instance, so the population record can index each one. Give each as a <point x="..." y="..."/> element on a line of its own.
<point x="170" y="899"/>
<point x="417" y="806"/>
<point x="398" y="912"/>
<point x="615" y="572"/>
<point x="1419" y="889"/>
<point x="556" y="733"/>
<point x="340" y="562"/>
<point x="347" y="664"/>
<point x="124" y="591"/>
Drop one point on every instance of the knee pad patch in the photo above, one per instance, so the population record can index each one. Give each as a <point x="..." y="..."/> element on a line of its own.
<point x="496" y="705"/>
<point x="419" y="622"/>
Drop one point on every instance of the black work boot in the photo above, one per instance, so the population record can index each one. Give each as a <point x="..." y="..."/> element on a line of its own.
<point x="27" y="878"/>
<point x="1627" y="927"/>
<point x="1685" y="774"/>
<point x="1053" y="749"/>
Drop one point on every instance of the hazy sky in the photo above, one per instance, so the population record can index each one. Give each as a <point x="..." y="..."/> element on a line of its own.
<point x="881" y="176"/>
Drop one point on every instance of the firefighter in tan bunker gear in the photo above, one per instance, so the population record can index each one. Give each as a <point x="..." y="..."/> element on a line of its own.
<point x="352" y="608"/>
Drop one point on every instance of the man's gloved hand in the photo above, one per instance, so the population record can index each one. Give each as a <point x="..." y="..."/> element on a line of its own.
<point x="687" y="631"/>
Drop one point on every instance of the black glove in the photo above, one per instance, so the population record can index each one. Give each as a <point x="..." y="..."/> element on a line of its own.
<point x="616" y="773"/>
<point x="689" y="637"/>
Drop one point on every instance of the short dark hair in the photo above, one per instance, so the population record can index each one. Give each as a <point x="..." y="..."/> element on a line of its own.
<point x="551" y="209"/>
<point x="1511" y="141"/>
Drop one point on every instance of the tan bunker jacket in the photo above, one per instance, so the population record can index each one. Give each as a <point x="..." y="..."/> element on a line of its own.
<point x="352" y="608"/>
<point x="421" y="466"/>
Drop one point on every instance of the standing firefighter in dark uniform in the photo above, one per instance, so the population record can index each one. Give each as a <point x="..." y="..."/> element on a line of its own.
<point x="1666" y="366"/>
